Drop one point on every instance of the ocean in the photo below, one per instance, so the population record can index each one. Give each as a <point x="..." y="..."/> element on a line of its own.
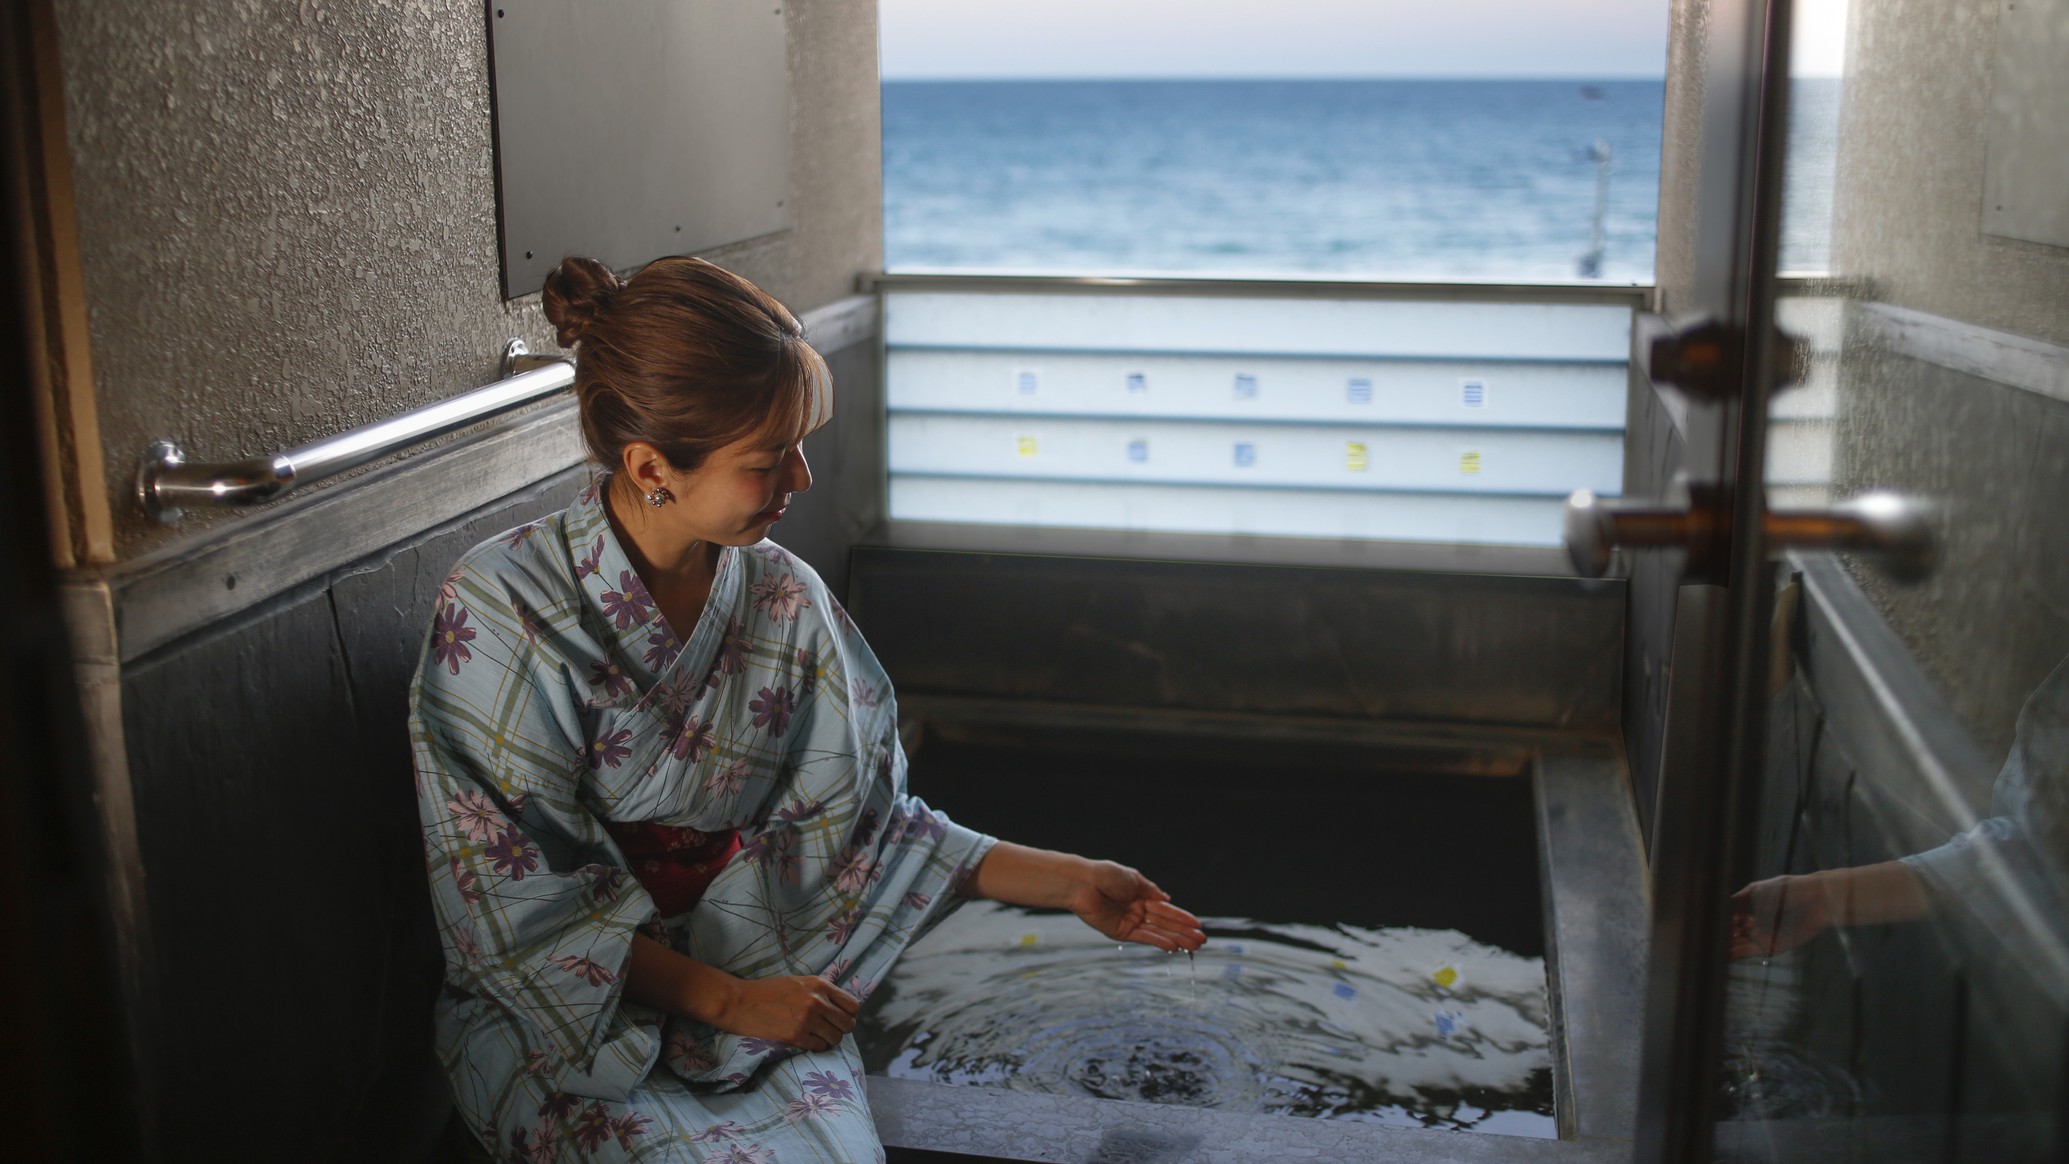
<point x="1383" y="179"/>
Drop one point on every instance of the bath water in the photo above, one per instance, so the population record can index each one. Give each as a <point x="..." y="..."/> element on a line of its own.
<point x="1403" y="1026"/>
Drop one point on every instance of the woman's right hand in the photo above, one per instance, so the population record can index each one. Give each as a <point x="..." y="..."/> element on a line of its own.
<point x="1777" y="915"/>
<point x="799" y="1010"/>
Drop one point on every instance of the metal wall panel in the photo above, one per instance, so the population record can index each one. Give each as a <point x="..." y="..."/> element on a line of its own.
<point x="2026" y="167"/>
<point x="635" y="129"/>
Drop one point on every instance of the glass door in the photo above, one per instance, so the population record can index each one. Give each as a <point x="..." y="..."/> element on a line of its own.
<point x="1861" y="878"/>
<point x="1898" y="962"/>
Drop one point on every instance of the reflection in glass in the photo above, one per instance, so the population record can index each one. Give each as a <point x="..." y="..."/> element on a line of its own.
<point x="1954" y="961"/>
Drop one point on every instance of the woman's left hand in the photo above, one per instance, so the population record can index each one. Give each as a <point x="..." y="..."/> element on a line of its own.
<point x="1128" y="907"/>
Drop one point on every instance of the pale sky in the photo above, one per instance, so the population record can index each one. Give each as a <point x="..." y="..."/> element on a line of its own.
<point x="1591" y="39"/>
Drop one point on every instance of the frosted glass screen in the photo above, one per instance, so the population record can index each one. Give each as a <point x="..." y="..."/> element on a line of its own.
<point x="1377" y="419"/>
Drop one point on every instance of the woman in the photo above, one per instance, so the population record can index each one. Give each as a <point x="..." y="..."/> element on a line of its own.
<point x="659" y="776"/>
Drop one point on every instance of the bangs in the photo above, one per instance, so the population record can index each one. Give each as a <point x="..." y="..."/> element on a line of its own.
<point x="800" y="402"/>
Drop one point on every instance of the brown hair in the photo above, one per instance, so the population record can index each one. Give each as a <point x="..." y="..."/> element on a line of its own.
<point x="685" y="356"/>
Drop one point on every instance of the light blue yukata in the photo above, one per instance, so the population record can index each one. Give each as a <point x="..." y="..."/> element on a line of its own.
<point x="552" y="697"/>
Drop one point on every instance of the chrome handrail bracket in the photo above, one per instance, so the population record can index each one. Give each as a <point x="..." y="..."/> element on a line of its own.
<point x="160" y="458"/>
<point x="167" y="484"/>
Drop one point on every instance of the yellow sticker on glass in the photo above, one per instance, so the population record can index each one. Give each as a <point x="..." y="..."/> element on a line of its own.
<point x="1469" y="464"/>
<point x="1445" y="977"/>
<point x="1355" y="458"/>
<point x="1027" y="446"/>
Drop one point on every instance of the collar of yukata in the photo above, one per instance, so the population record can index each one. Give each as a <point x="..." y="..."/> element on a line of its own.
<point x="614" y="590"/>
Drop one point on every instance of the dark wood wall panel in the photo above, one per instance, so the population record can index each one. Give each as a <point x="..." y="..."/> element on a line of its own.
<point x="295" y="958"/>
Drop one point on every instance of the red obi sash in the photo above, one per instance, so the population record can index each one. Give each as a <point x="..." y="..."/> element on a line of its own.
<point x="676" y="865"/>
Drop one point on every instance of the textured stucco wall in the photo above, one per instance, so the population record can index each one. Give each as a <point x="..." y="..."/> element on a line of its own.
<point x="287" y="213"/>
<point x="1993" y="620"/>
<point x="1908" y="212"/>
<point x="1681" y="154"/>
<point x="1991" y="458"/>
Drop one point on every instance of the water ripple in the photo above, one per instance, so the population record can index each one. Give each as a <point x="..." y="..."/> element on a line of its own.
<point x="1423" y="1028"/>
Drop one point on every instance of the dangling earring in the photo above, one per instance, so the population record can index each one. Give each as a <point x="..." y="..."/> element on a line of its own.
<point x="660" y="496"/>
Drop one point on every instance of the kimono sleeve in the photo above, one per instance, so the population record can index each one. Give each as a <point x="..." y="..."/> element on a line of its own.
<point x="534" y="914"/>
<point x="1987" y="870"/>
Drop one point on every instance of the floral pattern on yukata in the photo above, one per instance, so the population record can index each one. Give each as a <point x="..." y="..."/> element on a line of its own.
<point x="551" y="702"/>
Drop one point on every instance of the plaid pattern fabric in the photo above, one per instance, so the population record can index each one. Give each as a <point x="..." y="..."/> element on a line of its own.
<point x="553" y="697"/>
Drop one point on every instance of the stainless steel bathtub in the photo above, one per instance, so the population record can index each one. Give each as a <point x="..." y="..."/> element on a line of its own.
<point x="1505" y="684"/>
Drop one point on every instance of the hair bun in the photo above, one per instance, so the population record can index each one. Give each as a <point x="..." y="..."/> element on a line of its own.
<point x="574" y="293"/>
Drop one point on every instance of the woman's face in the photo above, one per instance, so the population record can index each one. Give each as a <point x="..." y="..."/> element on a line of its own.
<point x="738" y="493"/>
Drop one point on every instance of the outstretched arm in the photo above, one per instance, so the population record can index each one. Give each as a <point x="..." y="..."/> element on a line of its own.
<point x="1781" y="913"/>
<point x="1113" y="899"/>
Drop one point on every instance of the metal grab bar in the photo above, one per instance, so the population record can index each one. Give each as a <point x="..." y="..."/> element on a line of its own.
<point x="167" y="483"/>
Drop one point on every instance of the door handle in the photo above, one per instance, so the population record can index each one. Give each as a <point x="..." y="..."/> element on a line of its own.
<point x="1890" y="528"/>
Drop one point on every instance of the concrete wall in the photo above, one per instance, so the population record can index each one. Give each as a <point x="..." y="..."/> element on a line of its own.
<point x="1456" y="655"/>
<point x="287" y="213"/>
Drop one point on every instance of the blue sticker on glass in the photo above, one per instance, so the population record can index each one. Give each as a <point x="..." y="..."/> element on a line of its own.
<point x="1246" y="387"/>
<point x="1137" y="382"/>
<point x="1027" y="382"/>
<point x="1231" y="972"/>
<point x="1138" y="451"/>
<point x="1246" y="454"/>
<point x="1472" y="394"/>
<point x="1344" y="990"/>
<point x="1359" y="391"/>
